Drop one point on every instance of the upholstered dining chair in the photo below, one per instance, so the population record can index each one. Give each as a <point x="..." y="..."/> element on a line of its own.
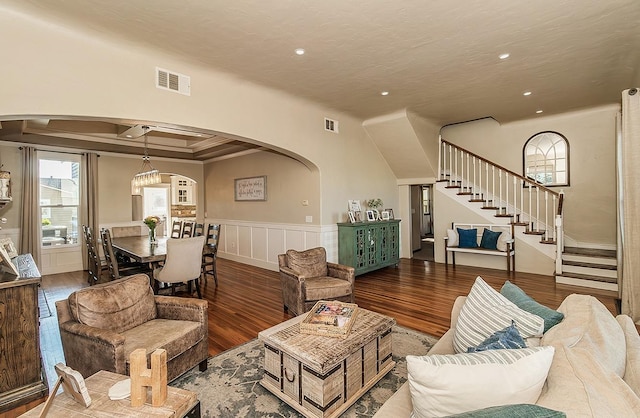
<point x="182" y="264"/>
<point x="307" y="277"/>
<point x="116" y="267"/>
<point x="210" y="253"/>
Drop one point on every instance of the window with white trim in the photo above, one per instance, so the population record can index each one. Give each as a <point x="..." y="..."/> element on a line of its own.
<point x="59" y="198"/>
<point x="546" y="159"/>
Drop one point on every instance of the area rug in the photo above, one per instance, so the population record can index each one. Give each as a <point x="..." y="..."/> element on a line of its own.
<point x="230" y="387"/>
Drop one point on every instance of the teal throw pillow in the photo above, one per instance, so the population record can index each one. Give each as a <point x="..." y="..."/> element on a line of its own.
<point x="467" y="238"/>
<point x="490" y="239"/>
<point x="527" y="303"/>
<point x="521" y="410"/>
<point x="500" y="340"/>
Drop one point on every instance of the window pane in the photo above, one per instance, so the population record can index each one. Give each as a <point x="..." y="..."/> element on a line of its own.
<point x="59" y="225"/>
<point x="59" y="182"/>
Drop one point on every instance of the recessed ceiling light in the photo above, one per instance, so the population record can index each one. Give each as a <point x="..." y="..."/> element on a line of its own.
<point x="385" y="93"/>
<point x="538" y="111"/>
<point x="129" y="136"/>
<point x="526" y="93"/>
<point x="503" y="56"/>
<point x="299" y="51"/>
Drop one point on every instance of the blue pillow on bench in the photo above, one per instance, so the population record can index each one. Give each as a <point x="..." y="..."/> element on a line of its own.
<point x="467" y="238"/>
<point x="490" y="239"/>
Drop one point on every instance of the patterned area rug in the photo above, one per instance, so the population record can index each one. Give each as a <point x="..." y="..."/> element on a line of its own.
<point x="231" y="385"/>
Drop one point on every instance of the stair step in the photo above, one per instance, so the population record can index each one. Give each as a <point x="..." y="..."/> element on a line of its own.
<point x="589" y="265"/>
<point x="547" y="241"/>
<point x="519" y="224"/>
<point x="464" y="194"/>
<point x="541" y="232"/>
<point x="594" y="252"/>
<point x="490" y="207"/>
<point x="504" y="215"/>
<point x="590" y="270"/>
<point x="476" y="200"/>
<point x="597" y="259"/>
<point x="451" y="187"/>
<point x="590" y="277"/>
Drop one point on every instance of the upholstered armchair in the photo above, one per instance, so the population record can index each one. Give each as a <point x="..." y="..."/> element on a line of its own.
<point x="307" y="277"/>
<point x="101" y="325"/>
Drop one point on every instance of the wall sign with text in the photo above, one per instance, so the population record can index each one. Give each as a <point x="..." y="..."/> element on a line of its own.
<point x="251" y="188"/>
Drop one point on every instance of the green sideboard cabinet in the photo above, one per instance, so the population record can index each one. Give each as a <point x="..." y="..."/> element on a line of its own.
<point x="368" y="246"/>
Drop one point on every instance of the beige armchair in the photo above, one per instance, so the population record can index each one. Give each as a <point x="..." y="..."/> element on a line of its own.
<point x="101" y="325"/>
<point x="307" y="277"/>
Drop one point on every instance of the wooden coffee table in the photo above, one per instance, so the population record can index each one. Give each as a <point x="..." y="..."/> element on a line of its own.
<point x="323" y="376"/>
<point x="179" y="403"/>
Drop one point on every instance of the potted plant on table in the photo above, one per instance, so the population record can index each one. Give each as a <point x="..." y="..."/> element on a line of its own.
<point x="152" y="221"/>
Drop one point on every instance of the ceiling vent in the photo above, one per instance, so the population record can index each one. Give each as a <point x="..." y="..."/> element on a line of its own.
<point x="172" y="81"/>
<point x="331" y="125"/>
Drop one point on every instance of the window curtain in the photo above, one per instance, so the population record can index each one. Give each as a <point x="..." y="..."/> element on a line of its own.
<point x="629" y="203"/>
<point x="31" y="218"/>
<point x="89" y="192"/>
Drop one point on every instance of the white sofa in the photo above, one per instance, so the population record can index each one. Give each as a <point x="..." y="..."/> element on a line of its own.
<point x="595" y="370"/>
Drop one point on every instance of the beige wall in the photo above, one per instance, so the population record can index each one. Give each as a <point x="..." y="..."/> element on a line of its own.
<point x="590" y="200"/>
<point x="114" y="184"/>
<point x="98" y="78"/>
<point x="289" y="182"/>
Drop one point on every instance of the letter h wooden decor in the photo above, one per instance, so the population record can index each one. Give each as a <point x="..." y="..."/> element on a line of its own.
<point x="155" y="377"/>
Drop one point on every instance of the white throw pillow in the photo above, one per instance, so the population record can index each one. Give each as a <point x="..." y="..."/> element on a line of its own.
<point x="502" y="241"/>
<point x="443" y="385"/>
<point x="486" y="311"/>
<point x="452" y="238"/>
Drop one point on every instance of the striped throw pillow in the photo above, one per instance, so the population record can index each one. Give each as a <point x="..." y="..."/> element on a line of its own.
<point x="486" y="311"/>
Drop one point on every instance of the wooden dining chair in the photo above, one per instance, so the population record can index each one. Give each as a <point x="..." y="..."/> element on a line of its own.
<point x="118" y="269"/>
<point x="188" y="228"/>
<point x="176" y="229"/>
<point x="209" y="253"/>
<point x="181" y="266"/>
<point x="198" y="230"/>
<point x="96" y="265"/>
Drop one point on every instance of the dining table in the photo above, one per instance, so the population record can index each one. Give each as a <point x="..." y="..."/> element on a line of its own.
<point x="140" y="249"/>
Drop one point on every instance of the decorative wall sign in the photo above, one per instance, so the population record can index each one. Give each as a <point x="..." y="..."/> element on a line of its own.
<point x="251" y="188"/>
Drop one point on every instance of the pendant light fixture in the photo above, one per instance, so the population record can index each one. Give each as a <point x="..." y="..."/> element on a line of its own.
<point x="147" y="175"/>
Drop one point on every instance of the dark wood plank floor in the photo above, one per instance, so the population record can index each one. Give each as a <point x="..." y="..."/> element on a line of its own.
<point x="418" y="294"/>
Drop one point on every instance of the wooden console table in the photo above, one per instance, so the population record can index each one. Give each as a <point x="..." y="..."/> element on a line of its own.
<point x="179" y="403"/>
<point x="22" y="379"/>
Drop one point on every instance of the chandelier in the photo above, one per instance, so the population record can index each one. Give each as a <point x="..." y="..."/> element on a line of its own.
<point x="147" y="175"/>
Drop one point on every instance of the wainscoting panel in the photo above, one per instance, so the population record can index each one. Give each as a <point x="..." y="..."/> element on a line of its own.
<point x="259" y="244"/>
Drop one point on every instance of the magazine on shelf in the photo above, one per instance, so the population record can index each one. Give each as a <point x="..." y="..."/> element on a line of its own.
<point x="330" y="318"/>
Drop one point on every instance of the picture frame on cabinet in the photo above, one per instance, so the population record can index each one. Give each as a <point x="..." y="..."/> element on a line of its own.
<point x="354" y="205"/>
<point x="385" y="215"/>
<point x="5" y="262"/>
<point x="352" y="217"/>
<point x="371" y="215"/>
<point x="390" y="211"/>
<point x="9" y="247"/>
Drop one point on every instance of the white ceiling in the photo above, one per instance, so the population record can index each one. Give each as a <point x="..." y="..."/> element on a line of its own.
<point x="436" y="58"/>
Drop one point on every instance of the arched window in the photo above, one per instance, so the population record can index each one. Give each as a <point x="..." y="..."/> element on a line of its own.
<point x="546" y="159"/>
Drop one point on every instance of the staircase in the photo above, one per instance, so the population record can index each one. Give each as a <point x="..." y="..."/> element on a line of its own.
<point x="589" y="267"/>
<point x="522" y="202"/>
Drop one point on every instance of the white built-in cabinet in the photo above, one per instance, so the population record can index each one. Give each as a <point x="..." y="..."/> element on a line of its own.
<point x="182" y="191"/>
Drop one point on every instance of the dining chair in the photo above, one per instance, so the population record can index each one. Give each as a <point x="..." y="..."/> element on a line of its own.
<point x="198" y="230"/>
<point x="210" y="253"/>
<point x="176" y="229"/>
<point x="188" y="228"/>
<point x="126" y="231"/>
<point x="118" y="269"/>
<point x="96" y="266"/>
<point x="181" y="265"/>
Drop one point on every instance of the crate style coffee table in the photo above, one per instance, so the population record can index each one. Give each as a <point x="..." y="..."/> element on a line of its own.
<point x="322" y="376"/>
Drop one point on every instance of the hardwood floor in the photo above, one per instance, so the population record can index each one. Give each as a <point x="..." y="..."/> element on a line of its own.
<point x="418" y="294"/>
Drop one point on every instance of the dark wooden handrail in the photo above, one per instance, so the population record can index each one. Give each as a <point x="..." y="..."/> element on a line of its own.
<point x="525" y="179"/>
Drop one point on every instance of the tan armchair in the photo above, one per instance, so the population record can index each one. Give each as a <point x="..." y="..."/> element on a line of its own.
<point x="101" y="325"/>
<point x="307" y="277"/>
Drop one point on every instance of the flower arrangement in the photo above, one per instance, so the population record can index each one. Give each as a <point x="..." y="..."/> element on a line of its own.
<point x="151" y="221"/>
<point x="374" y="203"/>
